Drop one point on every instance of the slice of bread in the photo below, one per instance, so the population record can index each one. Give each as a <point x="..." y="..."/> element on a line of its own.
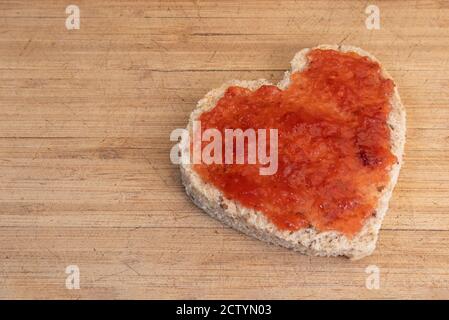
<point x="309" y="240"/>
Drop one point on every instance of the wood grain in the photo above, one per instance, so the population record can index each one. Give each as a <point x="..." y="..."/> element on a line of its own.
<point x="85" y="176"/>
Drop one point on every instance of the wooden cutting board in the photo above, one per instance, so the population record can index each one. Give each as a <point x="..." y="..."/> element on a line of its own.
<point x="85" y="176"/>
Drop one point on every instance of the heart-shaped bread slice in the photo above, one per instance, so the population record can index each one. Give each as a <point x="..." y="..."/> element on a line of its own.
<point x="340" y="154"/>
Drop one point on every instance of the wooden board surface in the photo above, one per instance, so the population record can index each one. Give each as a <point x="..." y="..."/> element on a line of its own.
<point x="85" y="176"/>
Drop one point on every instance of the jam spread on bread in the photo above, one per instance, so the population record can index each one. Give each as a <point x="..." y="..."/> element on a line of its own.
<point x="334" y="150"/>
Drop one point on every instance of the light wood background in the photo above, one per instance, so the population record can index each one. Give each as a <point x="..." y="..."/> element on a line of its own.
<point x="85" y="176"/>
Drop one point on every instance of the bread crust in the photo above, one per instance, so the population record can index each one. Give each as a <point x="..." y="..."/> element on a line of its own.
<point x="308" y="240"/>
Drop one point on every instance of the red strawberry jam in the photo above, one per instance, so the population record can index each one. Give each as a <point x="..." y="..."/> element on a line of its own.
<point x="334" y="144"/>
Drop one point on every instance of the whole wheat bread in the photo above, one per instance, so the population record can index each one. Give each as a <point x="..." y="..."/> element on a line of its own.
<point x="309" y="240"/>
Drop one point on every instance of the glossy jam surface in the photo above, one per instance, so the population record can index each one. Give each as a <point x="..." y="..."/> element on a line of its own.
<point x="334" y="144"/>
